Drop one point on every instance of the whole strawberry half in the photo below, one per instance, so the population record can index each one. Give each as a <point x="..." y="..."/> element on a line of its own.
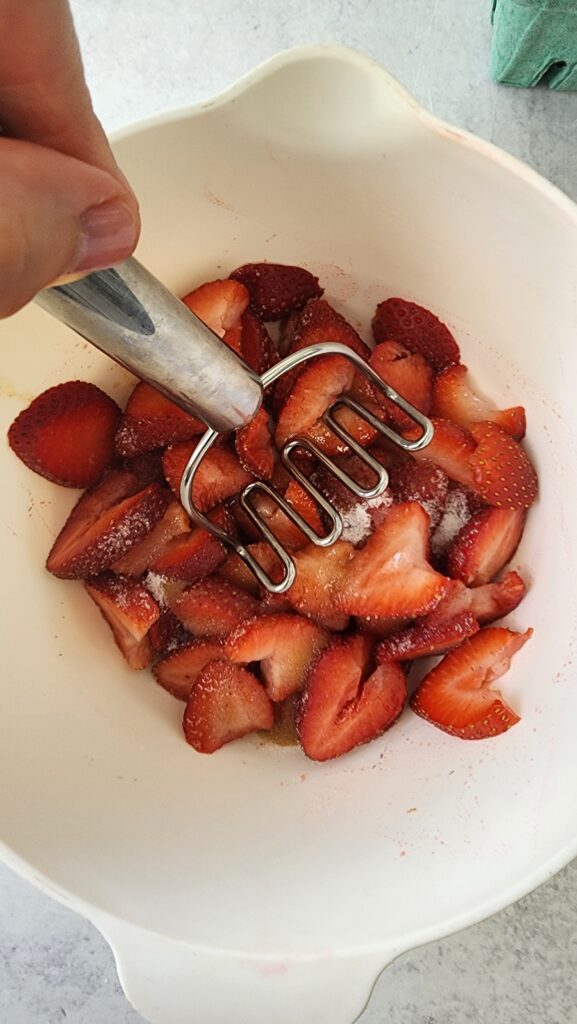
<point x="67" y="434"/>
<point x="284" y="645"/>
<point x="105" y="524"/>
<point x="458" y="695"/>
<point x="390" y="576"/>
<point x="346" y="701"/>
<point x="276" y="289"/>
<point x="417" y="329"/>
<point x="225" y="703"/>
<point x="130" y="611"/>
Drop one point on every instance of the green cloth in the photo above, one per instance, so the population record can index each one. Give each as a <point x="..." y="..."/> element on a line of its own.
<point x="534" y="38"/>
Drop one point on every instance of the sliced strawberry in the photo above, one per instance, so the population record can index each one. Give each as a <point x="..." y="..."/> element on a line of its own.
<point x="141" y="556"/>
<point x="147" y="467"/>
<point x="218" y="477"/>
<point x="225" y="703"/>
<point x="488" y="602"/>
<point x="417" y="329"/>
<point x="256" y="346"/>
<point x="130" y="611"/>
<point x="235" y="571"/>
<point x="360" y="516"/>
<point x="314" y="391"/>
<point x="317" y="322"/>
<point x="320" y="572"/>
<point x="455" y="399"/>
<point x="502" y="472"/>
<point x="288" y="533"/>
<point x="152" y="421"/>
<point x="277" y="289"/>
<point x="390" y="576"/>
<point x="213" y="608"/>
<point x="494" y="600"/>
<point x="167" y="634"/>
<point x="427" y="638"/>
<point x="485" y="544"/>
<point x="459" y="507"/>
<point x="179" y="671"/>
<point x="104" y="525"/>
<point x="345" y="703"/>
<point x="457" y="695"/>
<point x="67" y="434"/>
<point x="219" y="304"/>
<point x="421" y="481"/>
<point x="164" y="591"/>
<point x="285" y="646"/>
<point x="451" y="449"/>
<point x="255" y="448"/>
<point x="190" y="557"/>
<point x="233" y="338"/>
<point x="408" y="373"/>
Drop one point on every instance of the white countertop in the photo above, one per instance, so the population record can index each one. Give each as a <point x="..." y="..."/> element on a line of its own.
<point x="146" y="56"/>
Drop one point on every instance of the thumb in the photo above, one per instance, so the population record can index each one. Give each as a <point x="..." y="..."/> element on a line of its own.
<point x="58" y="216"/>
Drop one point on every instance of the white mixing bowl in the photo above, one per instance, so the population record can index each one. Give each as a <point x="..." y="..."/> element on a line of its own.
<point x="254" y="886"/>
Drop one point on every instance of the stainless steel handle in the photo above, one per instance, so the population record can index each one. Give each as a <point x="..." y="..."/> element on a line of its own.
<point x="128" y="314"/>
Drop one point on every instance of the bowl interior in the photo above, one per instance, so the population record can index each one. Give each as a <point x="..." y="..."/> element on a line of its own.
<point x="319" y="160"/>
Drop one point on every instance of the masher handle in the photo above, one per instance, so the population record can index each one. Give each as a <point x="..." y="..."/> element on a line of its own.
<point x="128" y="314"/>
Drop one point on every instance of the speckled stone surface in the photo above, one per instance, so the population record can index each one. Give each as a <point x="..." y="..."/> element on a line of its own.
<point x="145" y="56"/>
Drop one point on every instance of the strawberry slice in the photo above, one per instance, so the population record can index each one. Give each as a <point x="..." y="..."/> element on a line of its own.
<point x="104" y="525"/>
<point x="190" y="557"/>
<point x="213" y="608"/>
<point x="457" y="695"/>
<point x="417" y="329"/>
<point x="451" y="449"/>
<point x="502" y="472"/>
<point x="236" y="572"/>
<point x="421" y="481"/>
<point x="345" y="703"/>
<point x="256" y="346"/>
<point x="320" y="572"/>
<point x="67" y="434"/>
<point x="220" y="305"/>
<point x="427" y="637"/>
<point x="141" y="556"/>
<point x="130" y="611"/>
<point x="288" y="533"/>
<point x="360" y="516"/>
<point x="485" y="544"/>
<point x="276" y="289"/>
<point x="408" y="373"/>
<point x="318" y="322"/>
<point x="314" y="391"/>
<point x="390" y="576"/>
<point x="152" y="421"/>
<point x="167" y="634"/>
<point x="225" y="703"/>
<point x="179" y="671"/>
<point x="460" y="505"/>
<point x="147" y="467"/>
<point x="285" y="646"/>
<point x="455" y="399"/>
<point x="218" y="477"/>
<point x="255" y="448"/>
<point x="488" y="602"/>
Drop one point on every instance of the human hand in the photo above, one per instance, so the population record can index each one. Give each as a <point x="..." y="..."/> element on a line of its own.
<point x="65" y="206"/>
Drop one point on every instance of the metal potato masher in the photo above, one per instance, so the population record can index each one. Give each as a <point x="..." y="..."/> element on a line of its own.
<point x="128" y="314"/>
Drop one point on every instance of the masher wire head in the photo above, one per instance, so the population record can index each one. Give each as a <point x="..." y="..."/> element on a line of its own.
<point x="306" y="444"/>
